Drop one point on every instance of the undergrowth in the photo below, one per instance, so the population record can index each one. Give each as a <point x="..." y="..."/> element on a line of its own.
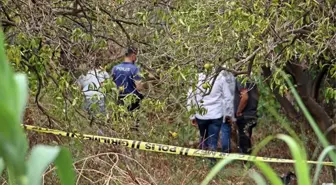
<point x="97" y="163"/>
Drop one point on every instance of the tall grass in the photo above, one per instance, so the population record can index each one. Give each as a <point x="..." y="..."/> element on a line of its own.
<point x="296" y="147"/>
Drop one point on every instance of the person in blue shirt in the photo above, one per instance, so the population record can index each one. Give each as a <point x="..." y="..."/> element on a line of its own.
<point x="128" y="80"/>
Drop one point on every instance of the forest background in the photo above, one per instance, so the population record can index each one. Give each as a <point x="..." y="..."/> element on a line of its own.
<point x="56" y="41"/>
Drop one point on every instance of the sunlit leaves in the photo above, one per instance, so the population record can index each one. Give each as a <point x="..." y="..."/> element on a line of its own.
<point x="330" y="94"/>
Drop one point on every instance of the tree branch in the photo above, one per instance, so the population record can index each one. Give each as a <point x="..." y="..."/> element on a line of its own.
<point x="73" y="12"/>
<point x="315" y="89"/>
<point x="250" y="65"/>
<point x="242" y="62"/>
<point x="50" y="118"/>
<point x="234" y="72"/>
<point x="39" y="79"/>
<point x="119" y="24"/>
<point x="5" y="22"/>
<point x="111" y="39"/>
<point x="287" y="106"/>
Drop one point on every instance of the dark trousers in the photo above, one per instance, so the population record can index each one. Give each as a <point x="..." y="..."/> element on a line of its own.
<point x="135" y="104"/>
<point x="209" y="132"/>
<point x="245" y="127"/>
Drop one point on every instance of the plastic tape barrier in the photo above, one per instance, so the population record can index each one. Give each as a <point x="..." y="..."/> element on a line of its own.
<point x="155" y="147"/>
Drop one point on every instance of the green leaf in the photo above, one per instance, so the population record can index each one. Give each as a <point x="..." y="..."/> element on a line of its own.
<point x="320" y="160"/>
<point x="6" y="82"/>
<point x="21" y="100"/>
<point x="265" y="168"/>
<point x="11" y="176"/>
<point x="40" y="158"/>
<point x="309" y="117"/>
<point x="257" y="178"/>
<point x="269" y="173"/>
<point x="287" y="4"/>
<point x="299" y="155"/>
<point x="21" y="94"/>
<point x="181" y="21"/>
<point x="2" y="166"/>
<point x="64" y="167"/>
<point x="12" y="137"/>
<point x="215" y="170"/>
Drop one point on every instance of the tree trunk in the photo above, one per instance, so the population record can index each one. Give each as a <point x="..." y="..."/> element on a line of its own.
<point x="287" y="106"/>
<point x="308" y="89"/>
<point x="305" y="87"/>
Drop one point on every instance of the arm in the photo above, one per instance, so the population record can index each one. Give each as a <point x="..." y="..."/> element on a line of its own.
<point x="228" y="97"/>
<point x="139" y="85"/>
<point x="113" y="74"/>
<point x="105" y="76"/>
<point x="243" y="101"/>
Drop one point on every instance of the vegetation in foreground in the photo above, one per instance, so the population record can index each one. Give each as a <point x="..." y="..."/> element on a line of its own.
<point x="63" y="39"/>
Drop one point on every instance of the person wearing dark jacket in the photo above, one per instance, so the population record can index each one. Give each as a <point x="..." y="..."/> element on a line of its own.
<point x="246" y="104"/>
<point x="128" y="80"/>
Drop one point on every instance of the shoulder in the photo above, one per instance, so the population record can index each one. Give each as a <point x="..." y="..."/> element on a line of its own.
<point x="239" y="84"/>
<point x="89" y="77"/>
<point x="229" y="78"/>
<point x="81" y="78"/>
<point x="105" y="74"/>
<point x="220" y="76"/>
<point x="116" y="66"/>
<point x="90" y="73"/>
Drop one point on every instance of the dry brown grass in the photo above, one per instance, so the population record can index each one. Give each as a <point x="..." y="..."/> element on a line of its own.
<point x="104" y="164"/>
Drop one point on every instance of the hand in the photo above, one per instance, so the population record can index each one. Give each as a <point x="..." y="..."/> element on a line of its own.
<point x="238" y="114"/>
<point x="194" y="122"/>
<point x="228" y="119"/>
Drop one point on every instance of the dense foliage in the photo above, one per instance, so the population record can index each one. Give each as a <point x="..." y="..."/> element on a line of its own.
<point x="54" y="42"/>
<point x="13" y="145"/>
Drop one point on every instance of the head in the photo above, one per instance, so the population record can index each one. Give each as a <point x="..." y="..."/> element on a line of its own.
<point x="131" y="54"/>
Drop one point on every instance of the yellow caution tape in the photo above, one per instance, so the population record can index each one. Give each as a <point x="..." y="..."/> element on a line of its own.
<point x="155" y="147"/>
